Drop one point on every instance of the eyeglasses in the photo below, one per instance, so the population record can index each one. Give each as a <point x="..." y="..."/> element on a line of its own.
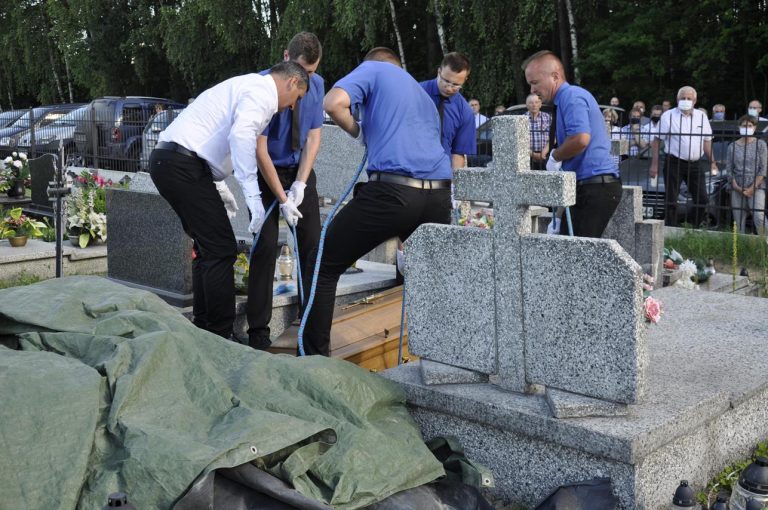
<point x="449" y="83"/>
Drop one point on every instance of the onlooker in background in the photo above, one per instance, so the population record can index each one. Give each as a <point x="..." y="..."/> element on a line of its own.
<point x="746" y="163"/>
<point x="499" y="110"/>
<point x="640" y="105"/>
<point x="614" y="101"/>
<point x="614" y="132"/>
<point x="480" y="119"/>
<point x="666" y="105"/>
<point x="718" y="112"/>
<point x="540" y="123"/>
<point x="632" y="131"/>
<point x="650" y="130"/>
<point x="687" y="135"/>
<point x="754" y="109"/>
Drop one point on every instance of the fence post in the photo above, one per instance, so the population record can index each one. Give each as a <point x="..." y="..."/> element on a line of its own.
<point x="94" y="137"/>
<point x="32" y="148"/>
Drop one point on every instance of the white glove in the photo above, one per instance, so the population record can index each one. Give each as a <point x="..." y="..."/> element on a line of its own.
<point x="360" y="138"/>
<point x="400" y="260"/>
<point x="297" y="192"/>
<point x="554" y="226"/>
<point x="257" y="213"/>
<point x="290" y="211"/>
<point x="552" y="165"/>
<point x="230" y="204"/>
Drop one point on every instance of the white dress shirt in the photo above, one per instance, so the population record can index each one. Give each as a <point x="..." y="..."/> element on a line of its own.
<point x="222" y="125"/>
<point x="480" y="119"/>
<point x="684" y="135"/>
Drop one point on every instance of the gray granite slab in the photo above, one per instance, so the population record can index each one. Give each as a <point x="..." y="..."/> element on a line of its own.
<point x="585" y="332"/>
<point x="337" y="162"/>
<point x="440" y="373"/>
<point x="142" y="182"/>
<point x="450" y="296"/>
<point x="564" y="404"/>
<point x="629" y="212"/>
<point x="147" y="245"/>
<point x="649" y="248"/>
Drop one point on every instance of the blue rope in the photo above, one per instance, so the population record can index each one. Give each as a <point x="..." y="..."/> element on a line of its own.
<point x="320" y="246"/>
<point x="568" y="218"/>
<point x="402" y="327"/>
<point x="298" y="263"/>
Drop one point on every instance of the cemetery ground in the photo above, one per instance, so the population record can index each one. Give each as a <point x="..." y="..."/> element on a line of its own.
<point x="533" y="350"/>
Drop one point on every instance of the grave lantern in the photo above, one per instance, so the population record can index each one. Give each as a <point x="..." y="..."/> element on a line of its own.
<point x="684" y="497"/>
<point x="720" y="504"/>
<point x="285" y="263"/>
<point x="753" y="483"/>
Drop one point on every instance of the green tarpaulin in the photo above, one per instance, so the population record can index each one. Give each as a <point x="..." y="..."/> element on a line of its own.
<point x="115" y="390"/>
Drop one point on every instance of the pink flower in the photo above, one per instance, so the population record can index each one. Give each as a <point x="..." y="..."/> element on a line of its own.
<point x="652" y="310"/>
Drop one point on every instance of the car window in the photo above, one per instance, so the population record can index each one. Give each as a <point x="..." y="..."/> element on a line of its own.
<point x="72" y="118"/>
<point x="134" y="114"/>
<point x="51" y="117"/>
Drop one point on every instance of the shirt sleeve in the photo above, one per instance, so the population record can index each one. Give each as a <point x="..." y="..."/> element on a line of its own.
<point x="762" y="158"/>
<point x="706" y="128"/>
<point x="663" y="132"/>
<point x="252" y="113"/>
<point x="576" y="117"/>
<point x="465" y="141"/>
<point x="356" y="84"/>
<point x="317" y="118"/>
<point x="729" y="160"/>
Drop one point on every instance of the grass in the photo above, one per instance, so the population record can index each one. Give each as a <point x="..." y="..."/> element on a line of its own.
<point x="751" y="252"/>
<point x="23" y="279"/>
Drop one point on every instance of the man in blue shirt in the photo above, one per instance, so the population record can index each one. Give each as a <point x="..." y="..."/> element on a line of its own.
<point x="409" y="174"/>
<point x="285" y="153"/>
<point x="457" y="125"/>
<point x="583" y="145"/>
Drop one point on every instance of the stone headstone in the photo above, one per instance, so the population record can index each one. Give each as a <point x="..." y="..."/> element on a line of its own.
<point x="337" y="162"/>
<point x="41" y="172"/>
<point x="476" y="299"/>
<point x="148" y="248"/>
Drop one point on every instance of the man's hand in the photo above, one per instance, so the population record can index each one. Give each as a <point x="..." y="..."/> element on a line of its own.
<point x="653" y="171"/>
<point x="257" y="213"/>
<point x="748" y="192"/>
<point x="713" y="168"/>
<point x="552" y="164"/>
<point x="297" y="192"/>
<point x="290" y="211"/>
<point x="230" y="204"/>
<point x="554" y="226"/>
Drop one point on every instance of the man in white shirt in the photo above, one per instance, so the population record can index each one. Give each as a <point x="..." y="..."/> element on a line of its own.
<point x="480" y="119"/>
<point x="687" y="135"/>
<point x="214" y="136"/>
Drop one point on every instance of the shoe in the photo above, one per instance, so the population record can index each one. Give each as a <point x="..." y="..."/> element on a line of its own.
<point x="260" y="344"/>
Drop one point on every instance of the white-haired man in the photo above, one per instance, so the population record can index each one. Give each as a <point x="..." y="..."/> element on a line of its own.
<point x="687" y="135"/>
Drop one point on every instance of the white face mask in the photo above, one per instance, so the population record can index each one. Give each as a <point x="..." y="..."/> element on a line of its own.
<point x="685" y="104"/>
<point x="752" y="112"/>
<point x="746" y="131"/>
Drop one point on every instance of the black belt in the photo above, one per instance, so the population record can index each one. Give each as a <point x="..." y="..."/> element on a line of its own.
<point x="175" y="147"/>
<point x="411" y="182"/>
<point x="599" y="179"/>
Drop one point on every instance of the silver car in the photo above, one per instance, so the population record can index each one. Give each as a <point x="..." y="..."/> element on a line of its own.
<point x="47" y="137"/>
<point x="156" y="124"/>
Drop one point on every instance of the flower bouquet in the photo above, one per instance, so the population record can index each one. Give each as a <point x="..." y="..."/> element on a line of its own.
<point x="87" y="210"/>
<point x="481" y="219"/>
<point x="16" y="225"/>
<point x="652" y="308"/>
<point x="14" y="174"/>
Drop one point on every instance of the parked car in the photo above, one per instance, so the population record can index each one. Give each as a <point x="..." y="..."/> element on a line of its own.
<point x="31" y="119"/>
<point x="634" y="172"/>
<point x="111" y="136"/>
<point x="156" y="124"/>
<point x="8" y="117"/>
<point x="46" y="138"/>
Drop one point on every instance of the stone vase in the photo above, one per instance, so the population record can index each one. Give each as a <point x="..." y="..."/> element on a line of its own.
<point x="18" y="241"/>
<point x="17" y="190"/>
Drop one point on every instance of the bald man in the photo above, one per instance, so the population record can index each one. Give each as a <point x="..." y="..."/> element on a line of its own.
<point x="583" y="145"/>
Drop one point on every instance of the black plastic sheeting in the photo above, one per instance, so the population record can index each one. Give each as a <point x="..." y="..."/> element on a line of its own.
<point x="595" y="494"/>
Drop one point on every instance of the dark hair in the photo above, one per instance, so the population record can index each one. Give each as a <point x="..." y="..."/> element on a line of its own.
<point x="748" y="118"/>
<point x="657" y="107"/>
<point x="456" y="61"/>
<point x="289" y="70"/>
<point x="305" y="44"/>
<point x="383" y="54"/>
<point x="538" y="55"/>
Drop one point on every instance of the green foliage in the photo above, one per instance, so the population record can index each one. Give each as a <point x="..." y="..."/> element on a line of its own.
<point x="23" y="278"/>
<point x="725" y="479"/>
<point x="752" y="250"/>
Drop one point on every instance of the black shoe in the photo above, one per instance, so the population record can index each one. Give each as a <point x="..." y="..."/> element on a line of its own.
<point x="260" y="344"/>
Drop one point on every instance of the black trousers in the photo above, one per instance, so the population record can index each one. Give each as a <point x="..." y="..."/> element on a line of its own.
<point x="595" y="204"/>
<point x="187" y="184"/>
<point x="262" y="268"/>
<point x="378" y="212"/>
<point x="679" y="170"/>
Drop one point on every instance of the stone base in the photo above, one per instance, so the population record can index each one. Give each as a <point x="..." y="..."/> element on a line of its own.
<point x="433" y="372"/>
<point x="706" y="406"/>
<point x="571" y="405"/>
<point x="38" y="258"/>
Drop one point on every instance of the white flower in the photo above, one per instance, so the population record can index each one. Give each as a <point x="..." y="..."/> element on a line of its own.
<point x="8" y="160"/>
<point x="688" y="268"/>
<point x="17" y="164"/>
<point x="23" y="156"/>
<point x="15" y="154"/>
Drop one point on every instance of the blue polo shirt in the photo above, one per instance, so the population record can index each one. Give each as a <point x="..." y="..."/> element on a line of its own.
<point x="577" y="112"/>
<point x="400" y="122"/>
<point x="458" y="134"/>
<point x="278" y="132"/>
